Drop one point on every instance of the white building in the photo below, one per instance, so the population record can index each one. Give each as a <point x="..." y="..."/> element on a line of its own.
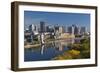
<point x="34" y="28"/>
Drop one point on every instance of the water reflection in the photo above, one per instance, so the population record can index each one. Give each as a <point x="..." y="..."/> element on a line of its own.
<point x="42" y="48"/>
<point x="48" y="51"/>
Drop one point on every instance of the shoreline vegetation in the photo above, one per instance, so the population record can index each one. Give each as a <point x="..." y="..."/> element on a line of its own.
<point x="77" y="51"/>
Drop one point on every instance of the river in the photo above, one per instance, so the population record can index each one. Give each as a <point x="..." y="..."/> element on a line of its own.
<point x="48" y="51"/>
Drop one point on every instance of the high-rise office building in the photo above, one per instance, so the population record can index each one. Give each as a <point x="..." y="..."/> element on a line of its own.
<point x="42" y="27"/>
<point x="76" y="30"/>
<point x="73" y="30"/>
<point x="47" y="29"/>
<point x="61" y="29"/>
<point x="83" y="30"/>
<point x="33" y="32"/>
<point x="32" y="27"/>
<point x="69" y="29"/>
<point x="56" y="27"/>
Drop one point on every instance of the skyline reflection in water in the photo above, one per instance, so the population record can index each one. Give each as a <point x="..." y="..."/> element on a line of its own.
<point x="48" y="51"/>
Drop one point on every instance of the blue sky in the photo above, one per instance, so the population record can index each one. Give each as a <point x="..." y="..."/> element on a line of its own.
<point x="63" y="19"/>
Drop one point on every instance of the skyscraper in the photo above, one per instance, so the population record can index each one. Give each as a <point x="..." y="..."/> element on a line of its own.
<point x="42" y="27"/>
<point x="73" y="30"/>
<point x="47" y="29"/>
<point x="61" y="29"/>
<point x="76" y="30"/>
<point x="82" y="30"/>
<point x="69" y="29"/>
<point x="32" y="28"/>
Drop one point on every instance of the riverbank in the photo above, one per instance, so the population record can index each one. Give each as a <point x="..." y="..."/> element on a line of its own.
<point x="47" y="42"/>
<point x="36" y="45"/>
<point x="77" y="51"/>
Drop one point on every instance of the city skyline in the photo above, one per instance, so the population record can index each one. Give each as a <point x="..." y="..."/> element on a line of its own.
<point x="56" y="36"/>
<point x="53" y="18"/>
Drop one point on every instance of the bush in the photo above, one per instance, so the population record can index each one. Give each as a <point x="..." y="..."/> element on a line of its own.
<point x="77" y="51"/>
<point x="74" y="52"/>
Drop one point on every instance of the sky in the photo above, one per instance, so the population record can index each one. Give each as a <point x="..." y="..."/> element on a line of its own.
<point x="53" y="18"/>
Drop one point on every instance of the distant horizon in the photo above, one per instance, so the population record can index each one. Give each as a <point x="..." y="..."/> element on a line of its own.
<point x="54" y="18"/>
